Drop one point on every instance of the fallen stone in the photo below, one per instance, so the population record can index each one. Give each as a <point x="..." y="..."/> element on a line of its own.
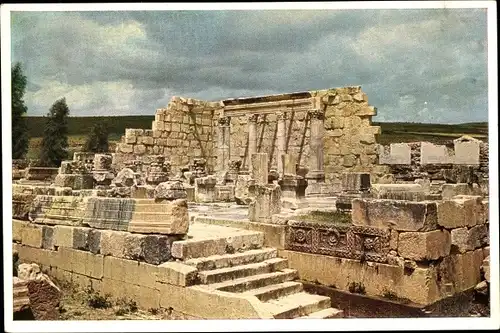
<point x="170" y="190"/>
<point x="20" y="294"/>
<point x="44" y="298"/>
<point x="399" y="215"/>
<point x="481" y="288"/>
<point x="485" y="268"/>
<point x="124" y="178"/>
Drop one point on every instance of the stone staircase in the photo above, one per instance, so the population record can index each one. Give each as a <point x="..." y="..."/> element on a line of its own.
<point x="253" y="270"/>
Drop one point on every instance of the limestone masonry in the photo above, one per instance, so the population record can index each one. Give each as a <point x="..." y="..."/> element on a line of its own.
<point x="225" y="210"/>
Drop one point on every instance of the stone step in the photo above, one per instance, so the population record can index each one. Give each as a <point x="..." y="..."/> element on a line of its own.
<point x="231" y="273"/>
<point x="229" y="260"/>
<point x="216" y="241"/>
<point x="324" y="314"/>
<point x="256" y="281"/>
<point x="275" y="291"/>
<point x="297" y="305"/>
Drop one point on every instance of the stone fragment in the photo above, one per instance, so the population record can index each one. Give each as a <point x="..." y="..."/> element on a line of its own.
<point x="481" y="288"/>
<point x="156" y="249"/>
<point x="451" y="190"/>
<point x="355" y="181"/>
<point x="242" y="195"/>
<point x="44" y="298"/>
<point x="399" y="215"/>
<point x="176" y="273"/>
<point x="20" y="294"/>
<point x="47" y="237"/>
<point x="412" y="192"/>
<point x="259" y="168"/>
<point x="267" y="202"/>
<point x="460" y="211"/>
<point x="125" y="178"/>
<point x="28" y="271"/>
<point x="170" y="190"/>
<point x="485" y="268"/>
<point x="421" y="246"/>
<point x="204" y="189"/>
<point x="94" y="241"/>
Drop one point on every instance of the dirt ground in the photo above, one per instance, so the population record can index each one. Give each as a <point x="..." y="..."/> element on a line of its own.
<point x="86" y="305"/>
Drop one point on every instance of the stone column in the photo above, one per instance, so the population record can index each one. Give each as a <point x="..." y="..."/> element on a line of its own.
<point x="259" y="168"/>
<point x="223" y="143"/>
<point x="281" y="144"/>
<point x="252" y="135"/>
<point x="316" y="171"/>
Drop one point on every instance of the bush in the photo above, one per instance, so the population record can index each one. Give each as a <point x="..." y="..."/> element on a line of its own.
<point x="97" y="139"/>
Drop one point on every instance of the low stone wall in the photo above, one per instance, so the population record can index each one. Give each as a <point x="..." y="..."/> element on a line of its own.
<point x="421" y="251"/>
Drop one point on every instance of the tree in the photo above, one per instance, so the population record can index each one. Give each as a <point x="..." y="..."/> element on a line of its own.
<point x="19" y="127"/>
<point x="55" y="135"/>
<point x="97" y="139"/>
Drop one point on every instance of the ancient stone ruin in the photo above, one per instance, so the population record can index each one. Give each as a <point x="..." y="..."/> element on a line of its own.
<point x="233" y="209"/>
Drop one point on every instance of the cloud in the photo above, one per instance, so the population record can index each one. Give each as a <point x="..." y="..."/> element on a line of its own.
<point x="133" y="62"/>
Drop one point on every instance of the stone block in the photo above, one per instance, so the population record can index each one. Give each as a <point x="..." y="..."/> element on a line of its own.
<point x="47" y="237"/>
<point x="133" y="246"/>
<point x="466" y="151"/>
<point x="413" y="192"/>
<point x="451" y="190"/>
<point x="267" y="202"/>
<point x="130" y="271"/>
<point x="259" y="168"/>
<point x="85" y="263"/>
<point x="355" y="181"/>
<point x="421" y="246"/>
<point x="204" y="189"/>
<point x="463" y="239"/>
<point x="80" y="238"/>
<point x="17" y="230"/>
<point x="169" y="218"/>
<point x="32" y="235"/>
<point x="399" y="215"/>
<point x="170" y="190"/>
<point x="460" y="212"/>
<point x="145" y="298"/>
<point x="176" y="273"/>
<point x="112" y="243"/>
<point x="462" y="271"/>
<point x="63" y="236"/>
<point x="21" y="205"/>
<point x="94" y="241"/>
<point x="157" y="249"/>
<point x="434" y="154"/>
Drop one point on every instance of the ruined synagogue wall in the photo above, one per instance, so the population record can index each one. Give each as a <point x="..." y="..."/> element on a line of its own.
<point x="297" y="138"/>
<point x="350" y="139"/>
<point x="182" y="131"/>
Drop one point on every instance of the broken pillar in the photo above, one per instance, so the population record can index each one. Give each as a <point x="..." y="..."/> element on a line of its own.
<point x="223" y="143"/>
<point x="354" y="185"/>
<point x="252" y="134"/>
<point x="204" y="189"/>
<point x="316" y="174"/>
<point x="102" y="172"/>
<point x="158" y="171"/>
<point x="74" y="174"/>
<point x="292" y="186"/>
<point x="281" y="136"/>
<point x="266" y="199"/>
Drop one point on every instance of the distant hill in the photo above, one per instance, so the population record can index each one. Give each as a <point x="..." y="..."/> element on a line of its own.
<point x="391" y="132"/>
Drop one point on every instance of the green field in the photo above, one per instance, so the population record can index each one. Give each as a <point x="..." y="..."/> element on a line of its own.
<point x="391" y="132"/>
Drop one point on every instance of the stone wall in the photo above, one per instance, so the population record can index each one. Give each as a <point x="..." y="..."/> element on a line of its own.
<point x="339" y="120"/>
<point x="181" y="132"/>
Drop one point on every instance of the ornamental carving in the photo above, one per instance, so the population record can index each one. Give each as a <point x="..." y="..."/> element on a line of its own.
<point x="253" y="118"/>
<point x="317" y="114"/>
<point x="345" y="241"/>
<point x="224" y="121"/>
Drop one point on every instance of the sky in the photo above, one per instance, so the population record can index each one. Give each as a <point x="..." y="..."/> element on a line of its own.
<point x="415" y="65"/>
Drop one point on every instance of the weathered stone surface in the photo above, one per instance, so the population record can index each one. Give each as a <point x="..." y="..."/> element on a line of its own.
<point x="413" y="192"/>
<point x="20" y="294"/>
<point x="32" y="235"/>
<point x="204" y="189"/>
<point x="355" y="181"/>
<point x="176" y="273"/>
<point x="47" y="237"/>
<point x="21" y="205"/>
<point x="40" y="173"/>
<point x="74" y="181"/>
<point x="224" y="193"/>
<point x="466" y="150"/>
<point x="464" y="239"/>
<point x="434" y="154"/>
<point x="102" y="161"/>
<point x="112" y="243"/>
<point x="241" y="190"/>
<point x="28" y="271"/>
<point x="125" y="177"/>
<point x="170" y="190"/>
<point x="157" y="249"/>
<point x="399" y="154"/>
<point x="339" y="240"/>
<point x="267" y="202"/>
<point x="395" y="214"/>
<point x="451" y="190"/>
<point x="259" y="168"/>
<point x="421" y="246"/>
<point x="462" y="271"/>
<point x="80" y="238"/>
<point x="44" y="298"/>
<point x="57" y="210"/>
<point x="94" y="241"/>
<point x="485" y="268"/>
<point x="133" y="246"/>
<point x="460" y="211"/>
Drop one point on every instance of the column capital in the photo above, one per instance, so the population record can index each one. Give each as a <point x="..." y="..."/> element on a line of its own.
<point x="316" y="114"/>
<point x="224" y="121"/>
<point x="253" y="117"/>
<point x="280" y="116"/>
